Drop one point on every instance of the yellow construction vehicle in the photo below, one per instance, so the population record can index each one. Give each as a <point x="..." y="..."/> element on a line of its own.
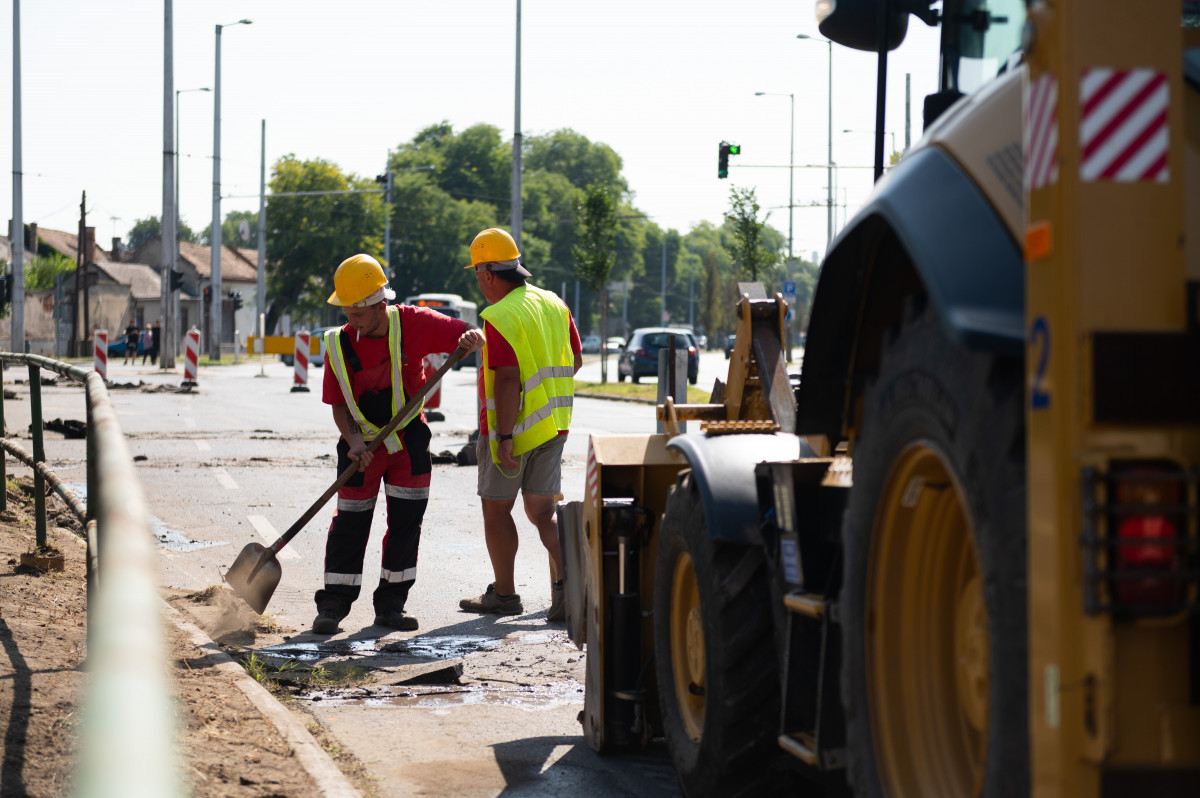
<point x="961" y="556"/>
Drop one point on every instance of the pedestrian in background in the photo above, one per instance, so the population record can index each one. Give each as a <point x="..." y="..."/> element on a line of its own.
<point x="372" y="364"/>
<point x="132" y="336"/>
<point x="147" y="340"/>
<point x="527" y="387"/>
<point x="155" y="338"/>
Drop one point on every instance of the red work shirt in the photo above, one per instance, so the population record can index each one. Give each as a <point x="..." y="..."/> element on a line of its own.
<point x="500" y="353"/>
<point x="422" y="332"/>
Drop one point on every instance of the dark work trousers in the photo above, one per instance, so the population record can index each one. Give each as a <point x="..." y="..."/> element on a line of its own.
<point x="405" y="477"/>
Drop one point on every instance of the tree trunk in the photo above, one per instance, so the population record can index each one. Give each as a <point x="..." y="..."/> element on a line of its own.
<point x="604" y="336"/>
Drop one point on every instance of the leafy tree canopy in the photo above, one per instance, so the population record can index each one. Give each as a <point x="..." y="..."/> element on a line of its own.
<point x="150" y="228"/>
<point x="42" y="271"/>
<point x="311" y="235"/>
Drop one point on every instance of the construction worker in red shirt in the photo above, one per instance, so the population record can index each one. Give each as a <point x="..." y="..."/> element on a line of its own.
<point x="527" y="388"/>
<point x="372" y="364"/>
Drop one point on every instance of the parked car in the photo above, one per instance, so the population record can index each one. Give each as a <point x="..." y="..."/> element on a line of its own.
<point x="729" y="342"/>
<point x="317" y="360"/>
<point x="639" y="358"/>
<point x="591" y="345"/>
<point x="614" y="345"/>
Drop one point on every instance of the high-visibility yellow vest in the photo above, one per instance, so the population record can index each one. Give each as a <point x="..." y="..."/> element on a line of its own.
<point x="335" y="359"/>
<point x="536" y="324"/>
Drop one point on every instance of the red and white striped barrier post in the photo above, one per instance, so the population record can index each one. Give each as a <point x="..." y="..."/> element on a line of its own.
<point x="191" y="358"/>
<point x="300" y="358"/>
<point x="101" y="354"/>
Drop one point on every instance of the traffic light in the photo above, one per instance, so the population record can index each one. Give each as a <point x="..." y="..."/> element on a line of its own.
<point x="176" y="278"/>
<point x="723" y="152"/>
<point x="236" y="296"/>
<point x="207" y="295"/>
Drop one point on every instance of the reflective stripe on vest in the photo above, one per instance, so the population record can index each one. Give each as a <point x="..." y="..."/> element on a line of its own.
<point x="536" y="324"/>
<point x="336" y="358"/>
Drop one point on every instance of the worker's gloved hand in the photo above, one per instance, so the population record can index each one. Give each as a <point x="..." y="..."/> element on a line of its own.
<point x="505" y="451"/>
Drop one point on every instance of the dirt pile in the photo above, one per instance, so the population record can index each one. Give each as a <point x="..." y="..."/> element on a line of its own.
<point x="226" y="747"/>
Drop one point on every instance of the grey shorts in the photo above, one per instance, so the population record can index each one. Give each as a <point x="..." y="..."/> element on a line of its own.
<point x="540" y="471"/>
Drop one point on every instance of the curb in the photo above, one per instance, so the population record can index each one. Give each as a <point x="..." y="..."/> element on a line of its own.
<point x="312" y="757"/>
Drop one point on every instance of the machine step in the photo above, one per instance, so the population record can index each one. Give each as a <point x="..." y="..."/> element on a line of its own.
<point x="809" y="604"/>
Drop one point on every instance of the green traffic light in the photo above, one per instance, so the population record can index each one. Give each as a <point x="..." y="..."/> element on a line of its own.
<point x="735" y="149"/>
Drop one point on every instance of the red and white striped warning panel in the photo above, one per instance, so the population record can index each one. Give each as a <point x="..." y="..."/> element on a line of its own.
<point x="1123" y="133"/>
<point x="1041" y="133"/>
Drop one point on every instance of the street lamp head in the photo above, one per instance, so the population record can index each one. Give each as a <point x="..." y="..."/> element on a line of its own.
<point x="759" y="93"/>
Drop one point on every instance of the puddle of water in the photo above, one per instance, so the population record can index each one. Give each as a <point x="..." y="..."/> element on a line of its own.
<point x="529" y="699"/>
<point x="305" y="652"/>
<point x="441" y="647"/>
<point x="177" y="541"/>
<point x="167" y="538"/>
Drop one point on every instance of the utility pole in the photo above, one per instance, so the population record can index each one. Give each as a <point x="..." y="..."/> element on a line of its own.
<point x="17" y="342"/>
<point x="169" y="239"/>
<point x="261" y="304"/>
<point x="516" y="176"/>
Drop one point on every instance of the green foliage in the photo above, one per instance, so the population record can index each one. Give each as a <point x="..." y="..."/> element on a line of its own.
<point x="42" y="271"/>
<point x="311" y="235"/>
<point x="150" y="228"/>
<point x="572" y="155"/>
<point x="596" y="233"/>
<point x="747" y="249"/>
<point x="596" y="221"/>
<point x="231" y="233"/>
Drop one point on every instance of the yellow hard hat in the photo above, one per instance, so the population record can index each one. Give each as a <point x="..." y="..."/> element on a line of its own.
<point x="493" y="245"/>
<point x="356" y="279"/>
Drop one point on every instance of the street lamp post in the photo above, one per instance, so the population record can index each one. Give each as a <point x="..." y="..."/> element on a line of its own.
<point x="829" y="155"/>
<point x="215" y="237"/>
<point x="791" y="162"/>
<point x="171" y="324"/>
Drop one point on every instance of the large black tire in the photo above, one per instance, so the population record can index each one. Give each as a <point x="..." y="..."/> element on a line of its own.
<point x="620" y="376"/>
<point x="934" y="602"/>
<point x="734" y="713"/>
<point x="633" y="377"/>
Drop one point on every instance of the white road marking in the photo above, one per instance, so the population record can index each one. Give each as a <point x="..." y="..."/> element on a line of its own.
<point x="224" y="478"/>
<point x="203" y="446"/>
<point x="268" y="533"/>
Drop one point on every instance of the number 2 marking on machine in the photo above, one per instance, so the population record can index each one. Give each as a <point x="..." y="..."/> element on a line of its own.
<point x="1039" y="335"/>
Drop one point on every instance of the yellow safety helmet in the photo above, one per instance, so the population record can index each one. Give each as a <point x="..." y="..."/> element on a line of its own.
<point x="493" y="245"/>
<point x="356" y="279"/>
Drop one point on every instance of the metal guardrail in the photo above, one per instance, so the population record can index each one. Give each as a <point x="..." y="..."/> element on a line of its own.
<point x="127" y="743"/>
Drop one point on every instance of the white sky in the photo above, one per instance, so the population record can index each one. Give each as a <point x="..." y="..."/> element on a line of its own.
<point x="660" y="81"/>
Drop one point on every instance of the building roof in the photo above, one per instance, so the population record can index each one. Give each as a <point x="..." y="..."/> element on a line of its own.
<point x="236" y="264"/>
<point x="143" y="280"/>
<point x="68" y="244"/>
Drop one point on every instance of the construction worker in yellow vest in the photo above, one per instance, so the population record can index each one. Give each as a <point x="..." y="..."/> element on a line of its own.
<point x="527" y="386"/>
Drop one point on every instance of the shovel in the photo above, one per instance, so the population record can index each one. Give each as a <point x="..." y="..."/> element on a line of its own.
<point x="256" y="571"/>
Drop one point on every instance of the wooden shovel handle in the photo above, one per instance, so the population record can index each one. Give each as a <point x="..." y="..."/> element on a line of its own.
<point x="400" y="418"/>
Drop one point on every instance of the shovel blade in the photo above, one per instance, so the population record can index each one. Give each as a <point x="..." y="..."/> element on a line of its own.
<point x="254" y="575"/>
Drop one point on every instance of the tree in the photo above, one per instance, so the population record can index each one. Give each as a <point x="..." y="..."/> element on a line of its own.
<point x="311" y="235"/>
<point x="747" y="249"/>
<point x="231" y="230"/>
<point x="596" y="212"/>
<point x="150" y="228"/>
<point x="41" y="273"/>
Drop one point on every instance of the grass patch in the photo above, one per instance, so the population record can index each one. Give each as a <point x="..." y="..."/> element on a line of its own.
<point x="645" y="391"/>
<point x="277" y="678"/>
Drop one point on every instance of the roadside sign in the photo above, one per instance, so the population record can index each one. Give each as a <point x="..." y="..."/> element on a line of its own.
<point x="789" y="296"/>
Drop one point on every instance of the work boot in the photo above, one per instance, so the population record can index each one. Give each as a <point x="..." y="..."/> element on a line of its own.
<point x="397" y="619"/>
<point x="491" y="601"/>
<point x="558" y="602"/>
<point x="326" y="623"/>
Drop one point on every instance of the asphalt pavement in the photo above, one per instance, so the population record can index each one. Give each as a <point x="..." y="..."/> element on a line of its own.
<point x="242" y="456"/>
